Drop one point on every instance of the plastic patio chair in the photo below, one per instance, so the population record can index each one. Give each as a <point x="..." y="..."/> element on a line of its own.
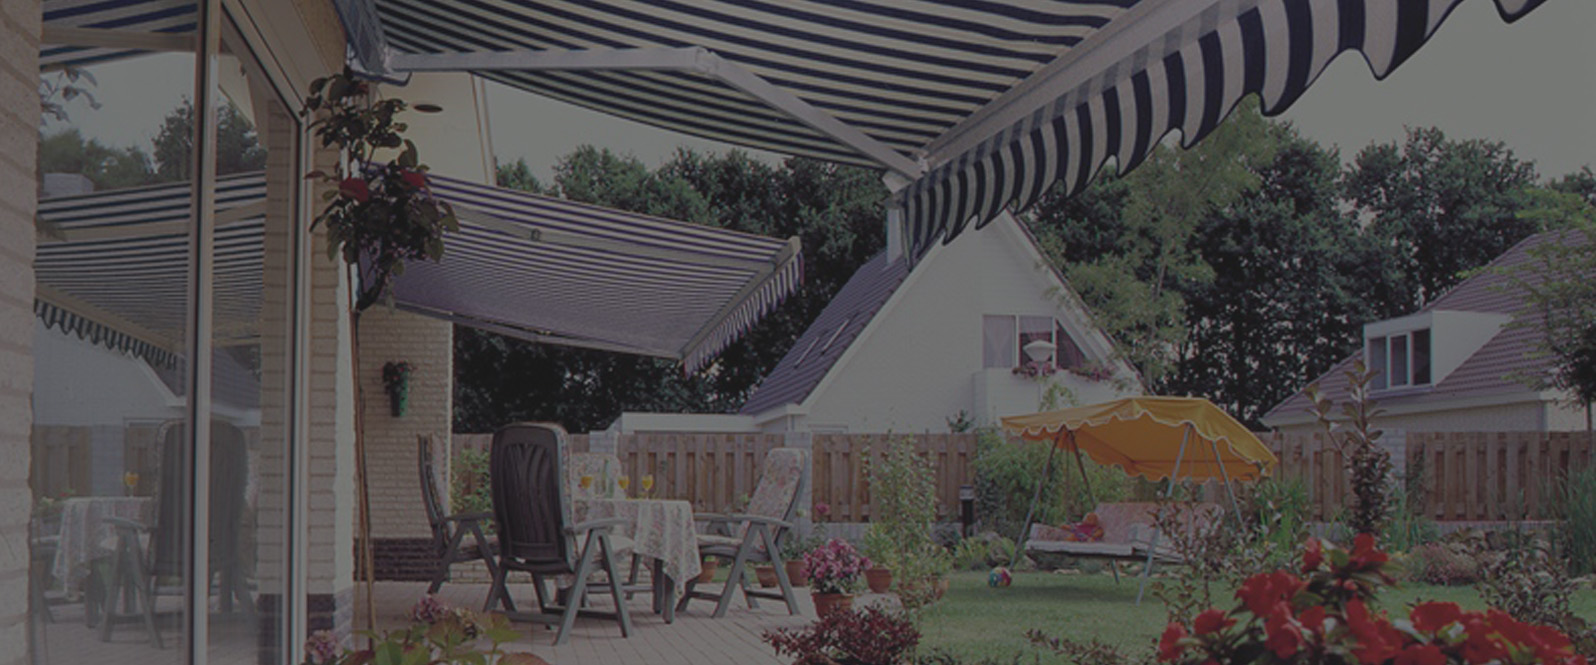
<point x="536" y="531"/>
<point x="449" y="531"/>
<point x="753" y="536"/>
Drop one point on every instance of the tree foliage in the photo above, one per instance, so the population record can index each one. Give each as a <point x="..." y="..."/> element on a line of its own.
<point x="238" y="148"/>
<point x="835" y="211"/>
<point x="67" y="151"/>
<point x="1440" y="207"/>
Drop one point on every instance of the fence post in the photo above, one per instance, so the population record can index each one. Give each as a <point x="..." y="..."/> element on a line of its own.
<point x="806" y="494"/>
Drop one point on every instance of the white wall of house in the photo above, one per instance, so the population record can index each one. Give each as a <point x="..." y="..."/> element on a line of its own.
<point x="919" y="362"/>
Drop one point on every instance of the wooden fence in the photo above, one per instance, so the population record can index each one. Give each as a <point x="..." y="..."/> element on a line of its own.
<point x="712" y="470"/>
<point x="1467" y="476"/>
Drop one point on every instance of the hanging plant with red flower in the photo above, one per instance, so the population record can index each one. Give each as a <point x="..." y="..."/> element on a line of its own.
<point x="1323" y="616"/>
<point x="382" y="211"/>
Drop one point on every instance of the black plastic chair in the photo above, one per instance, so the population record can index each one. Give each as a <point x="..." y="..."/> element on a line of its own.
<point x="536" y="535"/>
<point x="449" y="531"/>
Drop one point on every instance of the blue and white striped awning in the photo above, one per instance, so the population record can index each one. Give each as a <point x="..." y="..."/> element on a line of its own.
<point x="113" y="269"/>
<point x="556" y="271"/>
<point x="969" y="107"/>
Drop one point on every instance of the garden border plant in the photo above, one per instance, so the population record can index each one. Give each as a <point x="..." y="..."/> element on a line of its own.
<point x="903" y="509"/>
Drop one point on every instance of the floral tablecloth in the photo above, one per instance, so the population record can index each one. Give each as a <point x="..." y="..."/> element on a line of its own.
<point x="85" y="536"/>
<point x="661" y="529"/>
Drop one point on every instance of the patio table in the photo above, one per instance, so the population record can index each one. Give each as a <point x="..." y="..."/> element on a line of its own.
<point x="662" y="531"/>
<point x="84" y="536"/>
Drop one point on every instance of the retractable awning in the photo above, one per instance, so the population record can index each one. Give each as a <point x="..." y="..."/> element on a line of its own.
<point x="112" y="268"/>
<point x="969" y="107"/>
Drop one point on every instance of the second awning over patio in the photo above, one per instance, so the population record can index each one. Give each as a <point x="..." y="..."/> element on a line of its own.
<point x="112" y="270"/>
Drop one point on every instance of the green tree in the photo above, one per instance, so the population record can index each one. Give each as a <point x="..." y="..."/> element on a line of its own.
<point x="1287" y="299"/>
<point x="835" y="211"/>
<point x="1558" y="284"/>
<point x="67" y="151"/>
<point x="238" y="148"/>
<point x="517" y="175"/>
<point x="1441" y="207"/>
<point x="1135" y="283"/>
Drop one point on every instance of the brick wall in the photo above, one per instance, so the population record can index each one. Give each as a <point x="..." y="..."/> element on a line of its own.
<point x="19" y="121"/>
<point x="401" y="536"/>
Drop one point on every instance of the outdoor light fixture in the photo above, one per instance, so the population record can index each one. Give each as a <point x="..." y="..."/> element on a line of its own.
<point x="966" y="508"/>
<point x="427" y="107"/>
<point x="1040" y="350"/>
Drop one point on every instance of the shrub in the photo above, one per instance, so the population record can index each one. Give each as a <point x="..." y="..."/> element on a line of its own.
<point x="468" y="483"/>
<point x="1007" y="474"/>
<point x="1577" y="530"/>
<point x="871" y="636"/>
<point x="1324" y="617"/>
<point x="1533" y="585"/>
<point x="1445" y="564"/>
<point x="1367" y="463"/>
<point x="903" y="503"/>
<point x="983" y="552"/>
<point x="1277" y="510"/>
<point x="835" y="567"/>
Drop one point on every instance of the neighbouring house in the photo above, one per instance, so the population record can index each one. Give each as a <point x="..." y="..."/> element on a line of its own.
<point x="970" y="332"/>
<point x="1452" y="366"/>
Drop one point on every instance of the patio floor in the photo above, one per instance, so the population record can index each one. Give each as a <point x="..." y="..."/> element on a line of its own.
<point x="694" y="638"/>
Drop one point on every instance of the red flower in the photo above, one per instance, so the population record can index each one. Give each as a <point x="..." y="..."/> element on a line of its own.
<point x="1312" y="555"/>
<point x="1364" y="554"/>
<point x="1312" y="619"/>
<point x="1433" y="616"/>
<point x="1211" y="621"/>
<point x="415" y="179"/>
<point x="1377" y="638"/>
<point x="1169" y="648"/>
<point x="1260" y="592"/>
<point x="355" y="188"/>
<point x="1421" y="654"/>
<point x="1284" y="635"/>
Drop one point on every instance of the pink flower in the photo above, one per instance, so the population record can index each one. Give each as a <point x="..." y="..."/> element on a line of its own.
<point x="355" y="188"/>
<point x="822" y="509"/>
<point x="321" y="647"/>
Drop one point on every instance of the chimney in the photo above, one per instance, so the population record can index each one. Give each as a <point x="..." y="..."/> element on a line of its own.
<point x="897" y="235"/>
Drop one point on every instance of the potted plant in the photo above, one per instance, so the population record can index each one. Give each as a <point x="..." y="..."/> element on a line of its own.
<point x="877" y="546"/>
<point x="835" y="570"/>
<point x="396" y="382"/>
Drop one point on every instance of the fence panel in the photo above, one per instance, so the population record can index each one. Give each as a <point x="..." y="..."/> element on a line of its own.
<point x="1467" y="476"/>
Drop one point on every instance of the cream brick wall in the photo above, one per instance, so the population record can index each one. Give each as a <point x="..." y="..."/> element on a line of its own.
<point x="427" y="344"/>
<point x="19" y="122"/>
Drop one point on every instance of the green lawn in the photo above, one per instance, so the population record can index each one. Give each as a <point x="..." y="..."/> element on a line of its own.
<point x="975" y="621"/>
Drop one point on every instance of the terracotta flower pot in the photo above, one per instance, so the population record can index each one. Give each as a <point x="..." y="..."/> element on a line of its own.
<point x="708" y="571"/>
<point x="796" y="573"/>
<point x="879" y="578"/>
<point x="827" y="602"/>
<point x="766" y="575"/>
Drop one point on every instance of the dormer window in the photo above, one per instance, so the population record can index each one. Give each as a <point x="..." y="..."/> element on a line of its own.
<point x="1400" y="360"/>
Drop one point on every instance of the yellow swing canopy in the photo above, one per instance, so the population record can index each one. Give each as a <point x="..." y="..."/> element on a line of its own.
<point x="1144" y="436"/>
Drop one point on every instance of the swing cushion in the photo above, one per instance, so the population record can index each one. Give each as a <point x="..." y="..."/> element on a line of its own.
<point x="1127" y="532"/>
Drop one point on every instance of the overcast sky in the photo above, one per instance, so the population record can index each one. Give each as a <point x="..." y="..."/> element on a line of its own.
<point x="1531" y="84"/>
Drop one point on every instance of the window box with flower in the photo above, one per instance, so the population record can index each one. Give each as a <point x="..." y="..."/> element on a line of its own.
<point x="396" y="382"/>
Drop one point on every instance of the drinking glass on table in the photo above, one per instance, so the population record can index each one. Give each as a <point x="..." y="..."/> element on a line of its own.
<point x="648" y="485"/>
<point x="130" y="479"/>
<point x="586" y="483"/>
<point x="624" y="482"/>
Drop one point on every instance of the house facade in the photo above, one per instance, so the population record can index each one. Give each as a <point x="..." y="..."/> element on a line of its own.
<point x="917" y="350"/>
<point x="1453" y="366"/>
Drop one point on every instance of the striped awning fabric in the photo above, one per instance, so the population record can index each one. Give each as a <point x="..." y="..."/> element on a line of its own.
<point x="976" y="106"/>
<point x="970" y="107"/>
<point x="114" y="270"/>
<point x="563" y="272"/>
<point x="123" y="16"/>
<point x="119" y="275"/>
